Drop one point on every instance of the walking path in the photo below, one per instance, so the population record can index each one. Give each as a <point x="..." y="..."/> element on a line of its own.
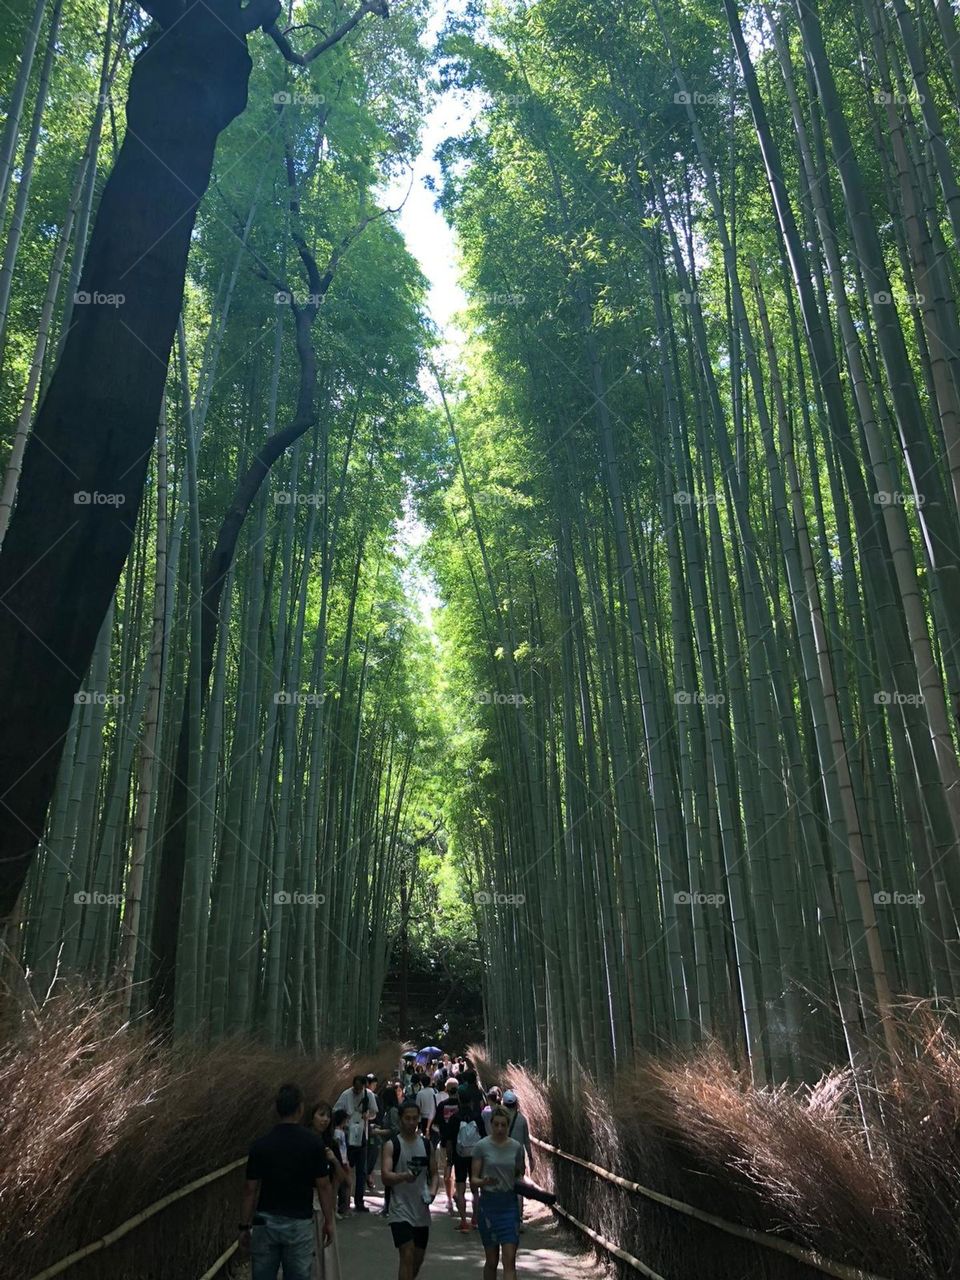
<point x="367" y="1252"/>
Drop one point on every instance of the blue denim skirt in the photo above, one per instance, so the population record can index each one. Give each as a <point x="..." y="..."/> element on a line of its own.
<point x="499" y="1218"/>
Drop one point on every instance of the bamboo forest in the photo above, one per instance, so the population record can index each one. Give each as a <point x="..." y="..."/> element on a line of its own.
<point x="480" y="567"/>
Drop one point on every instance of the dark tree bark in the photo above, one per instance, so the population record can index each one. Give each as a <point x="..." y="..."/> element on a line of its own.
<point x="63" y="555"/>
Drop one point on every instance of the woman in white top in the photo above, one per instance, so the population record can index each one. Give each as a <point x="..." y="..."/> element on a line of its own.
<point x="326" y="1261"/>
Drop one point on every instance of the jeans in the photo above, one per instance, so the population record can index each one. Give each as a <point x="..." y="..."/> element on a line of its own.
<point x="277" y="1240"/>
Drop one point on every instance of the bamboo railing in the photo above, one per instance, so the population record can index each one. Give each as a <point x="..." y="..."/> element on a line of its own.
<point x="808" y="1257"/>
<point x="137" y="1220"/>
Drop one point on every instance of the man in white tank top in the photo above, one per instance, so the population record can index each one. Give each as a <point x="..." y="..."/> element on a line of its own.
<point x="409" y="1169"/>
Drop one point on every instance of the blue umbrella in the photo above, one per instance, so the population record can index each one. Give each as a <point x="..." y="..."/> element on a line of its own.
<point x="429" y="1051"/>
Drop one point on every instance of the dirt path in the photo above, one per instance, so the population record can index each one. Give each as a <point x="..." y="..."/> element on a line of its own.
<point x="367" y="1252"/>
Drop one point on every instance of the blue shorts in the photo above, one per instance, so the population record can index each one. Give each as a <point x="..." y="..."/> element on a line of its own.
<point x="499" y="1218"/>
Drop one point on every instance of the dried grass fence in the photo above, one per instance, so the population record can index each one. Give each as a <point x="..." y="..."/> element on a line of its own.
<point x="794" y="1164"/>
<point x="103" y="1120"/>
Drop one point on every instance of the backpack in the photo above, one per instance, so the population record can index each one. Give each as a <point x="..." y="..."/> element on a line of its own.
<point x="395" y="1147"/>
<point x="468" y="1135"/>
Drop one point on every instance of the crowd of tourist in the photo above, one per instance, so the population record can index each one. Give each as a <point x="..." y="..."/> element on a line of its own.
<point x="433" y="1126"/>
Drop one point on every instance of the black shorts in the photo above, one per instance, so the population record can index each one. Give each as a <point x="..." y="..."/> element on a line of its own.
<point x="461" y="1165"/>
<point x="403" y="1233"/>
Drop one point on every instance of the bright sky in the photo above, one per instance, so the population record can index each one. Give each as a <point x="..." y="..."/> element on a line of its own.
<point x="428" y="237"/>
<point x="432" y="243"/>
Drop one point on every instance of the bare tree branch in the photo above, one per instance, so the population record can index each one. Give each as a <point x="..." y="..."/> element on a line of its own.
<point x="304" y="59"/>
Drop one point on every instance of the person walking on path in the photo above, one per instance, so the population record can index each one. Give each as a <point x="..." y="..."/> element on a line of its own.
<point x="361" y="1106"/>
<point x="408" y="1075"/>
<point x="409" y="1169"/>
<point x="388" y="1100"/>
<point x="494" y="1099"/>
<point x="519" y="1130"/>
<point x="284" y="1168"/>
<point x="447" y="1108"/>
<point x="470" y="1084"/>
<point x="465" y="1130"/>
<point x="326" y="1263"/>
<point x="427" y="1102"/>
<point x="373" y="1131"/>
<point x="498" y="1163"/>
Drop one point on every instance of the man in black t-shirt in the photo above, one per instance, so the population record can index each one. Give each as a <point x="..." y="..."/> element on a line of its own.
<point x="284" y="1167"/>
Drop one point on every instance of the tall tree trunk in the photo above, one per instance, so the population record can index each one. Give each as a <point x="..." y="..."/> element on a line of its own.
<point x="84" y="467"/>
